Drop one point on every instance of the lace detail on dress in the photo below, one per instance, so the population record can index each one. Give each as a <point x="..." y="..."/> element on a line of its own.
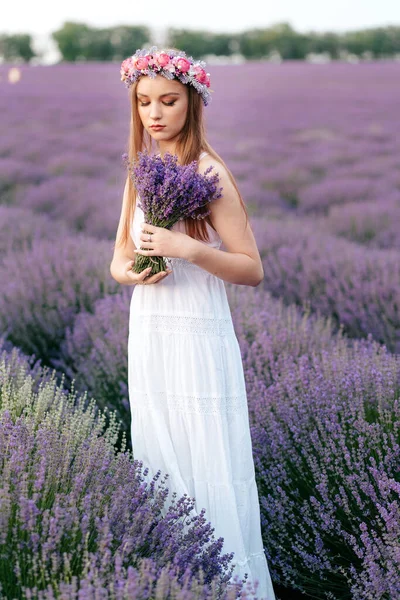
<point x="209" y="405"/>
<point x="186" y="264"/>
<point x="182" y="263"/>
<point x="187" y="324"/>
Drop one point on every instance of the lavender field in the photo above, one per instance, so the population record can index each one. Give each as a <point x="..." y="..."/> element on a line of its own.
<point x="315" y="150"/>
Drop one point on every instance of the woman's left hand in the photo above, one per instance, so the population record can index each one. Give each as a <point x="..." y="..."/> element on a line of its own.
<point x="164" y="242"/>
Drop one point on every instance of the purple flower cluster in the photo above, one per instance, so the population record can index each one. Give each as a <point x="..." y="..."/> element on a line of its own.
<point x="20" y="228"/>
<point x="94" y="354"/>
<point x="374" y="224"/>
<point x="325" y="424"/>
<point x="20" y="366"/>
<point x="168" y="193"/>
<point x="73" y="200"/>
<point x="79" y="518"/>
<point x="359" y="288"/>
<point x="318" y="197"/>
<point x="46" y="286"/>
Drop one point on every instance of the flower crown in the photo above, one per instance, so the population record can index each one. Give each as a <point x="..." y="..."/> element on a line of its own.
<point x="169" y="63"/>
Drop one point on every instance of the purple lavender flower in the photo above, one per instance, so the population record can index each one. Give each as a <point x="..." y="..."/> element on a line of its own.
<point x="71" y="501"/>
<point x="169" y="193"/>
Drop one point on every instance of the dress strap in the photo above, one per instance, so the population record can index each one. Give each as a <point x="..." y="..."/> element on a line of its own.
<point x="202" y="155"/>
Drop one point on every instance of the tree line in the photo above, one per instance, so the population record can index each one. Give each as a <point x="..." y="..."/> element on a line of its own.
<point x="79" y="42"/>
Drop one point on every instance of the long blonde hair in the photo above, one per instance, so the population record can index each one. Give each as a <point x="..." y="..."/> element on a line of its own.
<point x="192" y="141"/>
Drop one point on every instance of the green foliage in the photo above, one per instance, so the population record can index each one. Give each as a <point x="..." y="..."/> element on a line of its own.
<point x="381" y="41"/>
<point x="258" y="43"/>
<point x="16" y="47"/>
<point x="199" y="43"/>
<point x="77" y="41"/>
<point x="70" y="40"/>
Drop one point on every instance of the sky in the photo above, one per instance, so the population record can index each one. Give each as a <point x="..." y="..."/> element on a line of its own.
<point x="43" y="17"/>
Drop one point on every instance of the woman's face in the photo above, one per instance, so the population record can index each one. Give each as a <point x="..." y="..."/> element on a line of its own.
<point x="162" y="101"/>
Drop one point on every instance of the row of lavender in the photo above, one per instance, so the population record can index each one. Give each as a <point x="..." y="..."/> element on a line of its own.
<point x="302" y="139"/>
<point x="358" y="287"/>
<point x="324" y="411"/>
<point x="80" y="519"/>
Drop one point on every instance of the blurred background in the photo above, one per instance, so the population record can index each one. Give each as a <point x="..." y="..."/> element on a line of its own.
<point x="46" y="34"/>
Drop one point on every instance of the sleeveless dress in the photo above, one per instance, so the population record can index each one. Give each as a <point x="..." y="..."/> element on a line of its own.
<point x="189" y="414"/>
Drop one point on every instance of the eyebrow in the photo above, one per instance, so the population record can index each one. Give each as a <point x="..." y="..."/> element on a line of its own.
<point x="162" y="95"/>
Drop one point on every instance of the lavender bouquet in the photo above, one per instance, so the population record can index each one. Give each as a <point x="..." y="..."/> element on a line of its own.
<point x="169" y="192"/>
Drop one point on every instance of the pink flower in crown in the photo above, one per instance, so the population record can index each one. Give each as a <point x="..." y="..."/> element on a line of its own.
<point x="141" y="62"/>
<point x="170" y="67"/>
<point x="182" y="63"/>
<point x="163" y="59"/>
<point x="126" y="67"/>
<point x="201" y="76"/>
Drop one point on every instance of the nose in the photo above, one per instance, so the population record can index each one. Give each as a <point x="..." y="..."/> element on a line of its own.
<point x="155" y="111"/>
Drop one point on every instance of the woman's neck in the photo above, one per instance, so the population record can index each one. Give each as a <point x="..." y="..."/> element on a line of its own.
<point x="168" y="146"/>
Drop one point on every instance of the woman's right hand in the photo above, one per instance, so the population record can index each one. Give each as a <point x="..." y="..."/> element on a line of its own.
<point x="143" y="278"/>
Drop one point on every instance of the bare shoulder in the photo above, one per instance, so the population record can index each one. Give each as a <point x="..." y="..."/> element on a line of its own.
<point x="224" y="180"/>
<point x="227" y="213"/>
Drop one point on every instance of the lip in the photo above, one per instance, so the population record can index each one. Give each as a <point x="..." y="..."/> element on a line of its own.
<point x="157" y="126"/>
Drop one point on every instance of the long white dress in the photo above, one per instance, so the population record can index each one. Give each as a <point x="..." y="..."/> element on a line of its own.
<point x="189" y="414"/>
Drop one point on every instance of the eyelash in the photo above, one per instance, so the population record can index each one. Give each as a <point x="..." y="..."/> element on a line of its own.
<point x="165" y="103"/>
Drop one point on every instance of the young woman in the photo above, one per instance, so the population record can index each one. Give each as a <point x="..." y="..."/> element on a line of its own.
<point x="190" y="417"/>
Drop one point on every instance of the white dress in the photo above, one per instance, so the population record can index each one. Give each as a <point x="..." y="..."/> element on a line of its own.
<point x="189" y="414"/>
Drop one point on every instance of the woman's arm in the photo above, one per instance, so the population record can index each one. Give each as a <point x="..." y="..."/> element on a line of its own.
<point x="234" y="267"/>
<point x="241" y="264"/>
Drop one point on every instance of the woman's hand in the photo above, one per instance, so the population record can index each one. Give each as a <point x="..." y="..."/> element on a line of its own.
<point x="142" y="277"/>
<point x="164" y="242"/>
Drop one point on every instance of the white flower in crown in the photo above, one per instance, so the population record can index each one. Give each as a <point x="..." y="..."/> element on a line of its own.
<point x="170" y="67"/>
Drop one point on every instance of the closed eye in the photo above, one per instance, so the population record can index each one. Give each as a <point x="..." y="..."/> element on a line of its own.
<point x="166" y="103"/>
